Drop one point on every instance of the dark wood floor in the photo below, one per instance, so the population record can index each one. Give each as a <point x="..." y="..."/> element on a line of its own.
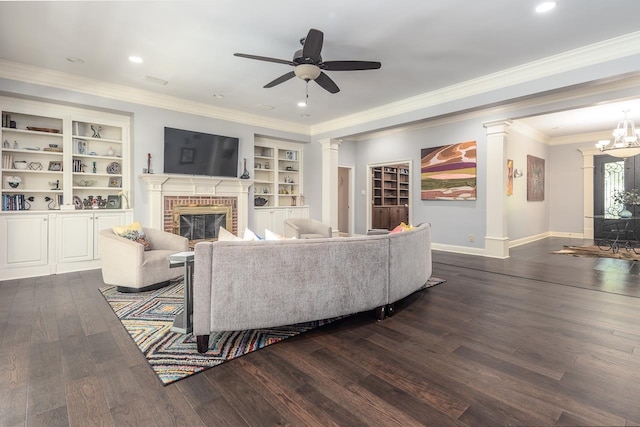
<point x="537" y="339"/>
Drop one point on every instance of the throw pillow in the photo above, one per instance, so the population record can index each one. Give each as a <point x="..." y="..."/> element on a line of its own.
<point x="402" y="227"/>
<point x="133" y="232"/>
<point x="226" y="236"/>
<point x="270" y="235"/>
<point x="250" y="235"/>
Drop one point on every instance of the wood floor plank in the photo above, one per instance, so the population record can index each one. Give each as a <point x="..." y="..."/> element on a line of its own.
<point x="87" y="403"/>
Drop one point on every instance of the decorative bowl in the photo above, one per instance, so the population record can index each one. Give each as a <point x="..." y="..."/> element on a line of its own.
<point x="14" y="181"/>
<point x="53" y="145"/>
<point x="85" y="183"/>
<point x="260" y="201"/>
<point x="20" y="164"/>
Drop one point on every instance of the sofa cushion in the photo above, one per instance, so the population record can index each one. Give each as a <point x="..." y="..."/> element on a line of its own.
<point x="226" y="236"/>
<point x="133" y="232"/>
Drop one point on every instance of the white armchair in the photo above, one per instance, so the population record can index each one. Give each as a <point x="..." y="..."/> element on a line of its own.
<point x="128" y="266"/>
<point x="306" y="228"/>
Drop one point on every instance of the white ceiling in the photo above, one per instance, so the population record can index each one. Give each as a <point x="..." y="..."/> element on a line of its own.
<point x="423" y="45"/>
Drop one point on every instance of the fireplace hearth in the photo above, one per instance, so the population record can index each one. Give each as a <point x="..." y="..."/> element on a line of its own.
<point x="201" y="223"/>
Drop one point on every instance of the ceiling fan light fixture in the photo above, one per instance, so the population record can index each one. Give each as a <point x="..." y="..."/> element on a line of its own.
<point x="307" y="71"/>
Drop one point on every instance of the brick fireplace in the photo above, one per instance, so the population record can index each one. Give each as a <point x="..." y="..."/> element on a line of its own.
<point x="197" y="196"/>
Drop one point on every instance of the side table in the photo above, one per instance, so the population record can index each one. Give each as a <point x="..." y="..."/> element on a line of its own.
<point x="183" y="321"/>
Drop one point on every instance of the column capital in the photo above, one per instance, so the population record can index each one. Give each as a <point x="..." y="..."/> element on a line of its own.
<point x="498" y="126"/>
<point x="330" y="144"/>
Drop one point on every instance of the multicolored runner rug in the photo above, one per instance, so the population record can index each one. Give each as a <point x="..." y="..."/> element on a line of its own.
<point x="148" y="317"/>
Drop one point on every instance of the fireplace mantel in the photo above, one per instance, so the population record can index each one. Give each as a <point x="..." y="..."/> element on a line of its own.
<point x="157" y="186"/>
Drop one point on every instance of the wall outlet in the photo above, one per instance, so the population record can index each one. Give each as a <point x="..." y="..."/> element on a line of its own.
<point x="472" y="238"/>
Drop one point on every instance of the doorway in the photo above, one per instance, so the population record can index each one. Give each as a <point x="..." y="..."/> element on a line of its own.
<point x="611" y="175"/>
<point x="389" y="190"/>
<point x="345" y="200"/>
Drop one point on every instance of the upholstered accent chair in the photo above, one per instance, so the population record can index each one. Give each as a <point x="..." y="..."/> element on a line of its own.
<point x="128" y="266"/>
<point x="306" y="228"/>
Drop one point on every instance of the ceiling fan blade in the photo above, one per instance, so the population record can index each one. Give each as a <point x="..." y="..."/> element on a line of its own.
<point x="313" y="45"/>
<point x="264" y="58"/>
<point x="326" y="82"/>
<point x="350" y="65"/>
<point x="283" y="78"/>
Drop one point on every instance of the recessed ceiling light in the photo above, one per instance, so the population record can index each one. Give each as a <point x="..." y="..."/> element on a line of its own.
<point x="135" y="59"/>
<point x="545" y="6"/>
<point x="75" y="60"/>
<point x="266" y="107"/>
<point x="304" y="116"/>
<point x="155" y="80"/>
<point x="302" y="104"/>
<point x="218" y="96"/>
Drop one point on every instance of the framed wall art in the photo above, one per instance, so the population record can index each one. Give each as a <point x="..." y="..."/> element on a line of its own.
<point x="448" y="172"/>
<point x="535" y="179"/>
<point x="509" y="177"/>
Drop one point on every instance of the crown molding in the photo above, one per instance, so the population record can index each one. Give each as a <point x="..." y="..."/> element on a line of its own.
<point x="591" y="137"/>
<point x="530" y="132"/>
<point x="593" y="54"/>
<point x="46" y="77"/>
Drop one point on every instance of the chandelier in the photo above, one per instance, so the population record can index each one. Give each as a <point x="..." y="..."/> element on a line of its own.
<point x="626" y="140"/>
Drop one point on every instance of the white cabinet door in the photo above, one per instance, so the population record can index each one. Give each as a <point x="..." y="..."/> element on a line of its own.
<point x="24" y="241"/>
<point x="277" y="221"/>
<point x="75" y="236"/>
<point x="301" y="212"/>
<point x="102" y="221"/>
<point x="261" y="220"/>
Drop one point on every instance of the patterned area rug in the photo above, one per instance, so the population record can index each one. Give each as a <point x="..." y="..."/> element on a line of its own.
<point x="148" y="317"/>
<point x="596" y="252"/>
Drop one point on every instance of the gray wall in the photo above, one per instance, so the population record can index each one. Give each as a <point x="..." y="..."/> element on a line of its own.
<point x="527" y="218"/>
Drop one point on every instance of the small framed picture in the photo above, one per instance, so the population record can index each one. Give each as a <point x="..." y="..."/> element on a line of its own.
<point x="290" y="155"/>
<point x="55" y="166"/>
<point x="115" y="181"/>
<point x="187" y="156"/>
<point x="80" y="146"/>
<point x="113" y="202"/>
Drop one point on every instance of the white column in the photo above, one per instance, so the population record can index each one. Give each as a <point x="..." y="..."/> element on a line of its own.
<point x="587" y="177"/>
<point x="330" y="182"/>
<point x="496" y="242"/>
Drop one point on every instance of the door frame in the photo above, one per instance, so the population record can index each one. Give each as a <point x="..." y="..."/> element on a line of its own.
<point x="351" y="202"/>
<point x="369" y="195"/>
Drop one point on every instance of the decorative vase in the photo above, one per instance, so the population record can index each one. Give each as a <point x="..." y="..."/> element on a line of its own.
<point x="245" y="174"/>
<point x="625" y="213"/>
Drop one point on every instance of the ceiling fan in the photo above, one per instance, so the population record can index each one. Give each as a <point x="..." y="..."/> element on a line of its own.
<point x="309" y="64"/>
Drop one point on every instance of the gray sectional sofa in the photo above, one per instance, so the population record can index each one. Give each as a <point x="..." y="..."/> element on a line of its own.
<point x="242" y="285"/>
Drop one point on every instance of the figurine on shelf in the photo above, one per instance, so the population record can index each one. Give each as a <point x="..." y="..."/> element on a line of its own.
<point x="96" y="131"/>
<point x="95" y="169"/>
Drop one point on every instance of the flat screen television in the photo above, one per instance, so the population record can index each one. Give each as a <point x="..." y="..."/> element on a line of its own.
<point x="196" y="153"/>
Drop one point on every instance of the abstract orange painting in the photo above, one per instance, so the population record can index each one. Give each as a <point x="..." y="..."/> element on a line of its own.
<point x="449" y="172"/>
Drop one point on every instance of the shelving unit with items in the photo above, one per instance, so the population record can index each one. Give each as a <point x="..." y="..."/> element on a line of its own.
<point x="289" y="176"/>
<point x="48" y="154"/>
<point x="32" y="161"/>
<point x="278" y="187"/>
<point x="390" y="200"/>
<point x="264" y="172"/>
<point x="97" y="165"/>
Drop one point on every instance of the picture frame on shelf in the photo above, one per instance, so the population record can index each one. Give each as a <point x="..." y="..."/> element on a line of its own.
<point x="55" y="166"/>
<point x="113" y="202"/>
<point x="115" y="182"/>
<point x="80" y="146"/>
